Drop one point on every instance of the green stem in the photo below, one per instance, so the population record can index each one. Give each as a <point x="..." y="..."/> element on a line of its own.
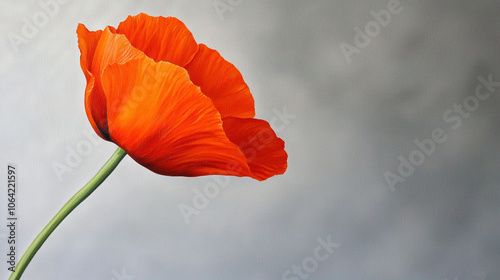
<point x="80" y="196"/>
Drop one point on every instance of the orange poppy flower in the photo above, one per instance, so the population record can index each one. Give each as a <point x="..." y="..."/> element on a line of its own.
<point x="176" y="107"/>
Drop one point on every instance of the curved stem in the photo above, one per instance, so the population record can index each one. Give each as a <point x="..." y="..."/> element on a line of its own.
<point x="80" y="196"/>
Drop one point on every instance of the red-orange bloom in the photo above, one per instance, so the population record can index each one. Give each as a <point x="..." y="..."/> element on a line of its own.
<point x="176" y="107"/>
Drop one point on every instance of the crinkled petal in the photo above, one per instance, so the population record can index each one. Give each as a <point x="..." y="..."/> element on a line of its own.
<point x="222" y="82"/>
<point x="264" y="151"/>
<point x="165" y="123"/>
<point x="110" y="48"/>
<point x="160" y="38"/>
<point x="87" y="42"/>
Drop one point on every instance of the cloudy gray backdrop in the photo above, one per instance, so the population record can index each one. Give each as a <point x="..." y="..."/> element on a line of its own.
<point x="348" y="123"/>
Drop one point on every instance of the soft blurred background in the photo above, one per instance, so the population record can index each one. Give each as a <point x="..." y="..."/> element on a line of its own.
<point x="348" y="108"/>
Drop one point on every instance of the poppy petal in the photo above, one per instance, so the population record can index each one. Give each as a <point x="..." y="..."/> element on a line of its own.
<point x="88" y="106"/>
<point x="160" y="38"/>
<point x="265" y="152"/>
<point x="87" y="43"/>
<point x="110" y="48"/>
<point x="165" y="123"/>
<point x="222" y="82"/>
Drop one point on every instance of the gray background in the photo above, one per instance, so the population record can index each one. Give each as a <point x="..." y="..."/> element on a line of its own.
<point x="350" y="123"/>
